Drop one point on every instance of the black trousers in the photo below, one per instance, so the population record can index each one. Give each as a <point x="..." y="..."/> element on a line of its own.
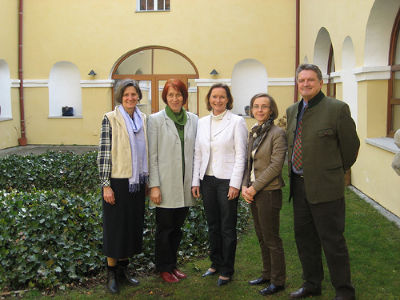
<point x="169" y="222"/>
<point x="221" y="215"/>
<point x="316" y="226"/>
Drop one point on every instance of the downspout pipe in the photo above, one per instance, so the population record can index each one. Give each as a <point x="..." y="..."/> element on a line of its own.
<point x="296" y="92"/>
<point x="22" y="140"/>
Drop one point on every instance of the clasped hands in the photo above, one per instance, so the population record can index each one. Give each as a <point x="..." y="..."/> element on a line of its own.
<point x="248" y="193"/>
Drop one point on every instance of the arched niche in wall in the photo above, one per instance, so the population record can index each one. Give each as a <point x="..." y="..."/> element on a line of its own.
<point x="305" y="60"/>
<point x="348" y="78"/>
<point x="64" y="89"/>
<point x="322" y="48"/>
<point x="324" y="58"/>
<point x="5" y="91"/>
<point x="378" y="32"/>
<point x="249" y="77"/>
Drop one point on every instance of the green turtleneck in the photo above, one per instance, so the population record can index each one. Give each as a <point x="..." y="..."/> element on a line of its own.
<point x="180" y="120"/>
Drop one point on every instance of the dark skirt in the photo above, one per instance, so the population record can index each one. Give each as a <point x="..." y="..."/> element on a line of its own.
<point x="123" y="222"/>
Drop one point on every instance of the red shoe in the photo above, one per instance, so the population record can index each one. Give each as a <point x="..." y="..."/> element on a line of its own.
<point x="168" y="277"/>
<point x="179" y="274"/>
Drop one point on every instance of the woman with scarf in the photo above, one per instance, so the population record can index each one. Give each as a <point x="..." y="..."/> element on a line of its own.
<point x="261" y="187"/>
<point x="122" y="162"/>
<point x="171" y="134"/>
<point x="218" y="172"/>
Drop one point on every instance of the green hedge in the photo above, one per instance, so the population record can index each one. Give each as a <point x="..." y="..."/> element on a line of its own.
<point x="53" y="236"/>
<point x="48" y="237"/>
<point x="52" y="170"/>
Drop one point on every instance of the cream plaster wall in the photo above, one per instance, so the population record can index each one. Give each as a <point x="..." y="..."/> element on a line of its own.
<point x="10" y="130"/>
<point x="93" y="34"/>
<point x="283" y="96"/>
<point x="9" y="35"/>
<point x="64" y="130"/>
<point x="372" y="173"/>
<point x="341" y="18"/>
<point x="372" y="108"/>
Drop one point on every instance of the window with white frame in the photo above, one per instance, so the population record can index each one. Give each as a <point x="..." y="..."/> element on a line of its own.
<point x="152" y="5"/>
<point x="5" y="91"/>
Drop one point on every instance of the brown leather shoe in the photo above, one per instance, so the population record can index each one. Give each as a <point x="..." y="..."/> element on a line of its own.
<point x="168" y="277"/>
<point x="304" y="292"/>
<point x="179" y="274"/>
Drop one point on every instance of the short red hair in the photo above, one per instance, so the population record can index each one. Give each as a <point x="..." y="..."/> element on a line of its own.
<point x="176" y="84"/>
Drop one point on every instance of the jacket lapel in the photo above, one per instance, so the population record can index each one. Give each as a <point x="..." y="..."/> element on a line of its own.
<point x="224" y="123"/>
<point x="170" y="125"/>
<point x="207" y="128"/>
<point x="187" y="127"/>
<point x="120" y="119"/>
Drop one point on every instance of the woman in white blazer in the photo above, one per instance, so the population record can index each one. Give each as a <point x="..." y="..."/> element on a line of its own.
<point x="219" y="162"/>
<point x="171" y="135"/>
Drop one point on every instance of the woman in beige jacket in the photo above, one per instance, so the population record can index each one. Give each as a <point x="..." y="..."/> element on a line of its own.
<point x="123" y="168"/>
<point x="261" y="187"/>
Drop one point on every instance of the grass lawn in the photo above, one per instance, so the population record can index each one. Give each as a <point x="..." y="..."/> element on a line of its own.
<point x="373" y="242"/>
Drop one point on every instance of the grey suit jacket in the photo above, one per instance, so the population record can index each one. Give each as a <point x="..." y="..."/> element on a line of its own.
<point x="165" y="159"/>
<point x="330" y="146"/>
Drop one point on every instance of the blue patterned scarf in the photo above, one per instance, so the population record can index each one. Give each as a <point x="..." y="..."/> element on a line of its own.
<point x="140" y="172"/>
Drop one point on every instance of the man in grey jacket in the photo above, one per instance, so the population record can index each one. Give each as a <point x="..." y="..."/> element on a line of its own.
<point x="322" y="145"/>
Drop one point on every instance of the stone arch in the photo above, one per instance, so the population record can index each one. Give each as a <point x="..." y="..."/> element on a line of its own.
<point x="378" y="31"/>
<point x="322" y="48"/>
<point x="64" y="89"/>
<point x="249" y="77"/>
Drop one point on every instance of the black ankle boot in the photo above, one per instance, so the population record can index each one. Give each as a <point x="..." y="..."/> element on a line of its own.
<point x="124" y="273"/>
<point x="112" y="281"/>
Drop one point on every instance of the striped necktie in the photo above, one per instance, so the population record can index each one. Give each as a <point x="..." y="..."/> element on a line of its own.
<point x="297" y="148"/>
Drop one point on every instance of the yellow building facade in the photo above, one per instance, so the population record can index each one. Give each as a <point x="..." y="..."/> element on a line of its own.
<point x="74" y="51"/>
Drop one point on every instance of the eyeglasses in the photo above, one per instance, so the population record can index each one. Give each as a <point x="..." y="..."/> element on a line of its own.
<point x="263" y="107"/>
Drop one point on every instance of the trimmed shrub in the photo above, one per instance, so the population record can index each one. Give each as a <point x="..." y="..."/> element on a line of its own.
<point x="51" y="170"/>
<point x="48" y="237"/>
<point x="53" y="236"/>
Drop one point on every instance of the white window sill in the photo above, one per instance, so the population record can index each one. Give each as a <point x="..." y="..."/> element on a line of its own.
<point x="5" y="119"/>
<point x="384" y="143"/>
<point x="62" y="117"/>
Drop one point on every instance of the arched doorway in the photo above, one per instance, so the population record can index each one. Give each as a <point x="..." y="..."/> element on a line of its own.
<point x="152" y="66"/>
